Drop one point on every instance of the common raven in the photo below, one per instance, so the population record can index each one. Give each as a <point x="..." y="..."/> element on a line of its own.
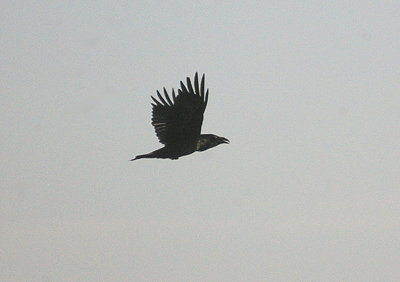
<point x="177" y="122"/>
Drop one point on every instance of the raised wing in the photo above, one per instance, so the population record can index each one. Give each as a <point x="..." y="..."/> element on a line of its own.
<point x="178" y="121"/>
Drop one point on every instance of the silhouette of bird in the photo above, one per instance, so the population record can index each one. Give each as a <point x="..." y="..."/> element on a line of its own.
<point x="177" y="122"/>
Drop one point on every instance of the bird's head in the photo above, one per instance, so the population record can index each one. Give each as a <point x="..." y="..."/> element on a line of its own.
<point x="207" y="141"/>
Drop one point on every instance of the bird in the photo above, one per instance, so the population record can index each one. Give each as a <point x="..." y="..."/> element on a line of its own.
<point x="177" y="122"/>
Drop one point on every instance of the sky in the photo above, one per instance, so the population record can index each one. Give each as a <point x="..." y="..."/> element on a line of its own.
<point x="306" y="91"/>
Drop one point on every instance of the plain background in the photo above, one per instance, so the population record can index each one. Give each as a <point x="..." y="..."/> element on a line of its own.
<point x="307" y="92"/>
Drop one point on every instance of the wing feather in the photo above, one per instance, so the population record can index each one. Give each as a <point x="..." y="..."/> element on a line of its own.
<point x="183" y="87"/>
<point x="189" y="84"/>
<point x="202" y="85"/>
<point x="155" y="101"/>
<point x="206" y="99"/>
<point x="196" y="84"/>
<point x="167" y="97"/>
<point x="161" y="98"/>
<point x="173" y="95"/>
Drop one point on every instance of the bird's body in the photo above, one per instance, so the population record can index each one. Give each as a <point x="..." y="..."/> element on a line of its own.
<point x="177" y="122"/>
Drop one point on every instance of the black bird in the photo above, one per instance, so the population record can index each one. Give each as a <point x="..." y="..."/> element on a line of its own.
<point x="177" y="122"/>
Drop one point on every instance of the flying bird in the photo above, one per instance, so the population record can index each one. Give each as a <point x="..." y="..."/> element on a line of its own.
<point x="177" y="122"/>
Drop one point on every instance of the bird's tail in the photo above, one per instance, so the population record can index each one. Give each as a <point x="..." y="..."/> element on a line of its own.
<point x="139" y="157"/>
<point x="160" y="153"/>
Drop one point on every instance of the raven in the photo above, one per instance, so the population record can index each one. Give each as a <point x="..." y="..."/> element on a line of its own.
<point x="177" y="122"/>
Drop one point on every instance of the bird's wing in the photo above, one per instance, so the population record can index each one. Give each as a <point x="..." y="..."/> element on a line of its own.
<point x="178" y="121"/>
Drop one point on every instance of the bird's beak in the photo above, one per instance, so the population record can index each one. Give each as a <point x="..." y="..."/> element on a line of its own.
<point x="224" y="140"/>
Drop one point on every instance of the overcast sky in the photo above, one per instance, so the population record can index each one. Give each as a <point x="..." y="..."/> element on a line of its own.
<point x="307" y="92"/>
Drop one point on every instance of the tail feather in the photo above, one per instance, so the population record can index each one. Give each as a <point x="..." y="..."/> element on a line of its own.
<point x="139" y="157"/>
<point x="160" y="153"/>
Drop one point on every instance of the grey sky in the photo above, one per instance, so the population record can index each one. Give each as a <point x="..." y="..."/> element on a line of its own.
<point x="307" y="92"/>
